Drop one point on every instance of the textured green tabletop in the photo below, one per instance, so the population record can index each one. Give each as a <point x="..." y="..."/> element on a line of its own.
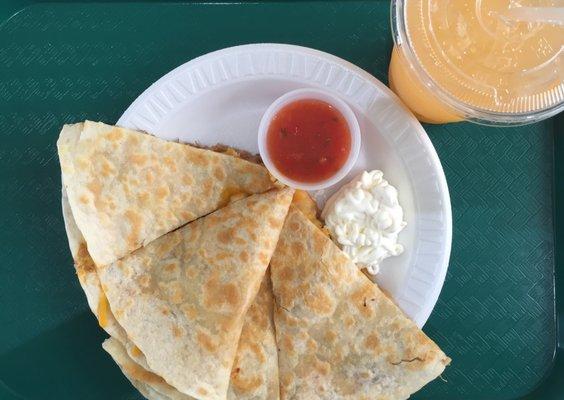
<point x="64" y="62"/>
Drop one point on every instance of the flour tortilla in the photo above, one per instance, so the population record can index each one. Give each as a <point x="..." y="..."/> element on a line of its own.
<point x="152" y="386"/>
<point x="90" y="283"/>
<point x="256" y="368"/>
<point x="127" y="188"/>
<point x="339" y="336"/>
<point x="183" y="297"/>
<point x="254" y="374"/>
<point x="255" y="371"/>
<point x="87" y="275"/>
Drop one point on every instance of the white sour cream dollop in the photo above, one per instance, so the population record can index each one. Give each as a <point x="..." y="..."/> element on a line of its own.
<point x="365" y="218"/>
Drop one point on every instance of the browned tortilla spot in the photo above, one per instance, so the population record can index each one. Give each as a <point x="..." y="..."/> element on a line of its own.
<point x="246" y="385"/>
<point x="287" y="273"/>
<point x="107" y="168"/>
<point x="244" y="256"/>
<point x="83" y="262"/>
<point x="138" y="159"/>
<point x="95" y="188"/>
<point x="171" y="267"/>
<point x="189" y="311"/>
<point x="218" y="173"/>
<point x="200" y="159"/>
<point x="225" y="236"/>
<point x="144" y="280"/>
<point x="169" y="163"/>
<point x="207" y="189"/>
<point x="150" y="177"/>
<point x="176" y="331"/>
<point x="135" y="223"/>
<point x="175" y="292"/>
<point x="319" y="301"/>
<point x="360" y="297"/>
<point x="187" y="179"/>
<point x="258" y="351"/>
<point x="206" y="342"/>
<point x="143" y="198"/>
<point x="114" y="135"/>
<point x="274" y="223"/>
<point x="372" y="342"/>
<point x="311" y="344"/>
<point x="297" y="249"/>
<point x="294" y="226"/>
<point x="263" y="257"/>
<point x="162" y="192"/>
<point x="217" y="294"/>
<point x="287" y="344"/>
<point x="330" y="336"/>
<point x="82" y="164"/>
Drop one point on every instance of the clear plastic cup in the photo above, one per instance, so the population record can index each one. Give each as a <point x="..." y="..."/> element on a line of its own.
<point x="459" y="60"/>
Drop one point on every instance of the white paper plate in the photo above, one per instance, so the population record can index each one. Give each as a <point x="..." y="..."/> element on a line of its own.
<point x="220" y="97"/>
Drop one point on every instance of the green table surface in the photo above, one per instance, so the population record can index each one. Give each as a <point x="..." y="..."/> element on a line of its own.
<point x="65" y="62"/>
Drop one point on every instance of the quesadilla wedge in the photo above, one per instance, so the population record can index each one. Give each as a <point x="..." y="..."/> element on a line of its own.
<point x="254" y="374"/>
<point x="127" y="188"/>
<point x="183" y="297"/>
<point x="88" y="277"/>
<point x="338" y="335"/>
<point x="90" y="283"/>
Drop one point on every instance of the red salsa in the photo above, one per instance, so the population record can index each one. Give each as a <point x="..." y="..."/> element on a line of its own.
<point x="308" y="140"/>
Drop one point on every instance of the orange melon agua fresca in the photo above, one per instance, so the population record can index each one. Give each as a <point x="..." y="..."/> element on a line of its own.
<point x="478" y="60"/>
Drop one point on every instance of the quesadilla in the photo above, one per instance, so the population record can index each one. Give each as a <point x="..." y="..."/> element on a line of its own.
<point x="254" y="374"/>
<point x="127" y="188"/>
<point x="183" y="297"/>
<point x="87" y="275"/>
<point x="90" y="283"/>
<point x="338" y="335"/>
